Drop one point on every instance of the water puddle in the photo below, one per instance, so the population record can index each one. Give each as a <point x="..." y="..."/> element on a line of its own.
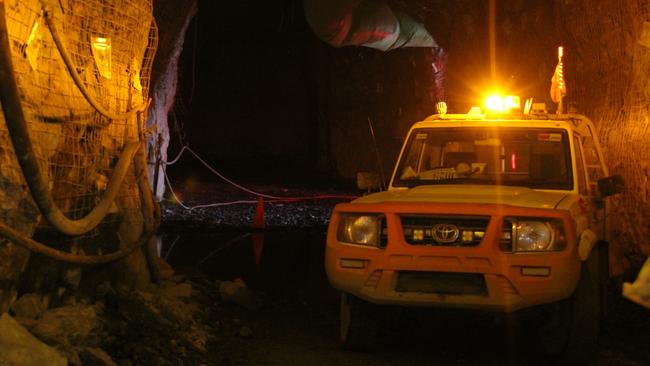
<point x="273" y="261"/>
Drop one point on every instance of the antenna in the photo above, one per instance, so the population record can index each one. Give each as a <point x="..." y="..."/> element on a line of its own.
<point x="382" y="184"/>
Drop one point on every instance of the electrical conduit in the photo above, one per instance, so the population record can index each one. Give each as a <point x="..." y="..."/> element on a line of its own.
<point x="149" y="226"/>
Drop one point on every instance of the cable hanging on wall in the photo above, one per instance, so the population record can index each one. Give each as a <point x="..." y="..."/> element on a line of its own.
<point x="67" y="60"/>
<point x="271" y="198"/>
<point x="124" y="147"/>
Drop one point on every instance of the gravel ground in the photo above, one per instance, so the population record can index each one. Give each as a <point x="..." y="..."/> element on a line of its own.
<point x="298" y="214"/>
<point x="241" y="215"/>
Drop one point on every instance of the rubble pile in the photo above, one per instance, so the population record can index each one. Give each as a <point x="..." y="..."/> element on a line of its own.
<point x="179" y="322"/>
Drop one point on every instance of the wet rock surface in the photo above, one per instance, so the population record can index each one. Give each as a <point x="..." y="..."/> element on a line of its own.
<point x="236" y="292"/>
<point x="154" y="328"/>
<point x="96" y="356"/>
<point x="163" y="325"/>
<point x="29" y="306"/>
<point x="20" y="348"/>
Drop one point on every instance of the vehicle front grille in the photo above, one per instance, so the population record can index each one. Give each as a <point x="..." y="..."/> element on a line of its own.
<point x="464" y="231"/>
<point x="445" y="283"/>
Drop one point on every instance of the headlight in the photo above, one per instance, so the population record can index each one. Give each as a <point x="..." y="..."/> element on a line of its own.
<point x="360" y="229"/>
<point x="534" y="235"/>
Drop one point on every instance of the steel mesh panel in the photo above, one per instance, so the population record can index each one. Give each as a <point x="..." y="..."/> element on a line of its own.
<point x="77" y="147"/>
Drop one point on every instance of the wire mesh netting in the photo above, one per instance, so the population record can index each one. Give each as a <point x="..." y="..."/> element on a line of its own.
<point x="111" y="44"/>
<point x="611" y="42"/>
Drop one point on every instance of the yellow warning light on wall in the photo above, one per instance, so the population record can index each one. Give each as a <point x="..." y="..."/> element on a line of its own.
<point x="101" y="49"/>
<point x="101" y="43"/>
<point x="34" y="44"/>
<point x="499" y="104"/>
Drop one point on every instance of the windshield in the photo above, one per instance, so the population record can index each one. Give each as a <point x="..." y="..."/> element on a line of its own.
<point x="528" y="157"/>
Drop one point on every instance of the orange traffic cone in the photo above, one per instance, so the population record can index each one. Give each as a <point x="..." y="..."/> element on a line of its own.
<point x="258" y="237"/>
<point x="258" y="219"/>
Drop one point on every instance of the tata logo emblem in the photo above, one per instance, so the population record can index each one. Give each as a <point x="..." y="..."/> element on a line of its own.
<point x="445" y="233"/>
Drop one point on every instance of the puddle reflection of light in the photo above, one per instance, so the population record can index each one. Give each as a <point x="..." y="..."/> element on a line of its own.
<point x="227" y="244"/>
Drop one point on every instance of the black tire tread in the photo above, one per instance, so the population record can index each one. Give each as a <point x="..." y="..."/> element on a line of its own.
<point x="584" y="315"/>
<point x="362" y="332"/>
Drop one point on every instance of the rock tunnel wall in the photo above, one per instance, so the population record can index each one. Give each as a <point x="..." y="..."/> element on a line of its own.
<point x="611" y="78"/>
<point x="176" y="16"/>
<point x="110" y="45"/>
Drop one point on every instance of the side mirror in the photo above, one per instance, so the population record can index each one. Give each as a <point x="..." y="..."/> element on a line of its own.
<point x="611" y="185"/>
<point x="367" y="181"/>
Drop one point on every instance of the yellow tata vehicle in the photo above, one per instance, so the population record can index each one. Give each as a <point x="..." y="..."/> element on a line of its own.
<point x="497" y="212"/>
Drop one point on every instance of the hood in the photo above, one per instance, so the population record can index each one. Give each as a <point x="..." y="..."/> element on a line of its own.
<point x="514" y="196"/>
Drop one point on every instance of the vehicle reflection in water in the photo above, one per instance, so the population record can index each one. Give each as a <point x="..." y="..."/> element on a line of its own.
<point x="300" y="304"/>
<point x="270" y="260"/>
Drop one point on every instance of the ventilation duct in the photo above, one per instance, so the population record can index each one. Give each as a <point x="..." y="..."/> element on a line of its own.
<point x="374" y="24"/>
<point x="365" y="23"/>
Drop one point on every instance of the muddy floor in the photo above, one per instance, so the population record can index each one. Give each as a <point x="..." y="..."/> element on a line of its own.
<point x="297" y="322"/>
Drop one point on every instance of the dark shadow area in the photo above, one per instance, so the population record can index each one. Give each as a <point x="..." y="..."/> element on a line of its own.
<point x="298" y="320"/>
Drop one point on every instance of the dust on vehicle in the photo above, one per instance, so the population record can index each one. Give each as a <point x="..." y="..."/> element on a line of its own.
<point x="500" y="212"/>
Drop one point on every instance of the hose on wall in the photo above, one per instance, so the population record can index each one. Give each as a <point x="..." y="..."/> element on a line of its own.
<point x="38" y="187"/>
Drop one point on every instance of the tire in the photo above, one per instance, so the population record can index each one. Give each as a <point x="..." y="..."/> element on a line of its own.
<point x="569" y="330"/>
<point x="358" y="328"/>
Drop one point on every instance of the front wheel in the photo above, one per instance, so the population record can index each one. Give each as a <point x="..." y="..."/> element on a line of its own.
<point x="568" y="333"/>
<point x="358" y="330"/>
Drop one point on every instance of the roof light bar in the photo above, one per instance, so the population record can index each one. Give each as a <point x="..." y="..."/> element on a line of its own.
<point x="499" y="104"/>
